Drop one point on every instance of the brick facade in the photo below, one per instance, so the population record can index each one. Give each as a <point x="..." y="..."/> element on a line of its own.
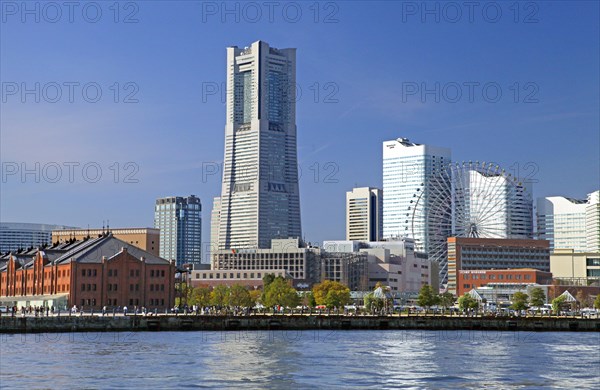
<point x="92" y="281"/>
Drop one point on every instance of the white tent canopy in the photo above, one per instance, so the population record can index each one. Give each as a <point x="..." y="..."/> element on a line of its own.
<point x="569" y="296"/>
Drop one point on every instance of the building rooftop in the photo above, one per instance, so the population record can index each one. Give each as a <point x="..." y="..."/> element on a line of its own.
<point x="89" y="250"/>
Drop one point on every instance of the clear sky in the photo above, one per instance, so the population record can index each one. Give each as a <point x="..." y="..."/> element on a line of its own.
<point x="361" y="69"/>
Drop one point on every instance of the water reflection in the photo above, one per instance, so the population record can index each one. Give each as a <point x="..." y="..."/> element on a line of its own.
<point x="305" y="359"/>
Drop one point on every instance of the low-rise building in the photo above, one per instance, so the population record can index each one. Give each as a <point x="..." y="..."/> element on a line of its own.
<point x="393" y="263"/>
<point x="579" y="268"/>
<point x="90" y="273"/>
<point x="246" y="278"/>
<point x="292" y="255"/>
<point x="348" y="268"/>
<point x="493" y="253"/>
<point x="470" y="279"/>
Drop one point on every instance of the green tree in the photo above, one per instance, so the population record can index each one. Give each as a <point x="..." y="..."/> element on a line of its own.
<point x="239" y="296"/>
<point x="582" y="298"/>
<point x="267" y="280"/>
<point x="597" y="302"/>
<point x="519" y="301"/>
<point x="219" y="295"/>
<point x="331" y="294"/>
<point x="280" y="292"/>
<point x="447" y="300"/>
<point x="309" y="300"/>
<point x="467" y="302"/>
<point x="338" y="297"/>
<point x="182" y="291"/>
<point x="371" y="302"/>
<point x="538" y="297"/>
<point x="255" y="296"/>
<point x="557" y="303"/>
<point x="199" y="296"/>
<point x="427" y="297"/>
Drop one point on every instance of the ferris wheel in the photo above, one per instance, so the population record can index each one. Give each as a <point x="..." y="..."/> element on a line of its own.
<point x="468" y="199"/>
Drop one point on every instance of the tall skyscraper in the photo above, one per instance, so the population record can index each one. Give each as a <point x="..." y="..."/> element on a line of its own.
<point x="570" y="223"/>
<point x="259" y="195"/>
<point x="407" y="169"/>
<point x="364" y="214"/>
<point x="180" y="222"/>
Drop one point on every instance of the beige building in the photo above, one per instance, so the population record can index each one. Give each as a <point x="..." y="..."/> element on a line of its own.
<point x="247" y="278"/>
<point x="144" y="238"/>
<point x="364" y="214"/>
<point x="348" y="268"/>
<point x="291" y="255"/>
<point x="392" y="263"/>
<point x="575" y="266"/>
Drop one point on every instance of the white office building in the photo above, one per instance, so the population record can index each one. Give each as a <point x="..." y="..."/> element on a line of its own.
<point x="364" y="214"/>
<point x="592" y="222"/>
<point x="259" y="195"/>
<point x="407" y="169"/>
<point x="492" y="206"/>
<point x="570" y="223"/>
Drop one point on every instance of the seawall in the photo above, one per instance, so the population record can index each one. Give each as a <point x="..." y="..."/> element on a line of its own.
<point x="290" y="322"/>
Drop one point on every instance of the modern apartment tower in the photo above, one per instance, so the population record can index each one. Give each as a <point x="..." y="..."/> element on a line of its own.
<point x="570" y="223"/>
<point x="180" y="222"/>
<point x="407" y="168"/>
<point x="259" y="196"/>
<point x="364" y="214"/>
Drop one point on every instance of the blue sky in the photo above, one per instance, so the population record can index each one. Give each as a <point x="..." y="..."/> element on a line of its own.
<point x="359" y="56"/>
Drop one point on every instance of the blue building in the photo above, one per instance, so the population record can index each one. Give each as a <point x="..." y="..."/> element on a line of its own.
<point x="180" y="222"/>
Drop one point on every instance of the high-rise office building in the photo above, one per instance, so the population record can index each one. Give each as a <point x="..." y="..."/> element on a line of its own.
<point x="180" y="222"/>
<point x="407" y="169"/>
<point x="259" y="196"/>
<point x="570" y="223"/>
<point x="364" y="214"/>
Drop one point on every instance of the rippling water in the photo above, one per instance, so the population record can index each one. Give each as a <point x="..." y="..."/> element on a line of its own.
<point x="302" y="359"/>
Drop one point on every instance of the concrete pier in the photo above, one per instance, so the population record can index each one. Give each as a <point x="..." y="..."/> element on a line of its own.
<point x="120" y="323"/>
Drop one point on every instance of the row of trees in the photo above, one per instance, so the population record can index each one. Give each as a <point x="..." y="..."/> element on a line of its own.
<point x="235" y="295"/>
<point x="429" y="297"/>
<point x="276" y="291"/>
<point x="521" y="301"/>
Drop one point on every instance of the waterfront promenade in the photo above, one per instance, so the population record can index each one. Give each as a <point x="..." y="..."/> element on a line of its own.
<point x="185" y="322"/>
